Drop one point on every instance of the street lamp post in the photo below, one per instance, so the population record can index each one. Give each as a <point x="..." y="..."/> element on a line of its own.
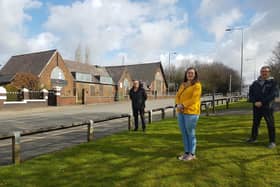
<point x="169" y="73"/>
<point x="242" y="41"/>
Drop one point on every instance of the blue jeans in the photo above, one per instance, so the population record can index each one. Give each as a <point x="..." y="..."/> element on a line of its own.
<point x="187" y="124"/>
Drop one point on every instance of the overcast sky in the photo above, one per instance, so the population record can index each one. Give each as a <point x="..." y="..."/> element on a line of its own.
<point x="143" y="30"/>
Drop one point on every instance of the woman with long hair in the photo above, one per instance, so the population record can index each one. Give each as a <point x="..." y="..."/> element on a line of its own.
<point x="188" y="108"/>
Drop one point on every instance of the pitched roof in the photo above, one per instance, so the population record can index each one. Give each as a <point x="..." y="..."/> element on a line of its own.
<point x="4" y="79"/>
<point x="75" y="66"/>
<point x="116" y="72"/>
<point x="144" y="71"/>
<point x="28" y="63"/>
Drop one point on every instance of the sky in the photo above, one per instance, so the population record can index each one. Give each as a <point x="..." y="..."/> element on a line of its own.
<point x="142" y="31"/>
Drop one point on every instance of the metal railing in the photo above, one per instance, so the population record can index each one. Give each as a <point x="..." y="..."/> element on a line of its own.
<point x="16" y="136"/>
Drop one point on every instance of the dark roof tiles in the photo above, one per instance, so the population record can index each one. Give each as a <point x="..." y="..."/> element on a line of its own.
<point x="144" y="71"/>
<point x="30" y="63"/>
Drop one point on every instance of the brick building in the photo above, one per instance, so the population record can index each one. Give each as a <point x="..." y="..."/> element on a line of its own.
<point x="81" y="83"/>
<point x="48" y="66"/>
<point x="151" y="74"/>
<point x="91" y="82"/>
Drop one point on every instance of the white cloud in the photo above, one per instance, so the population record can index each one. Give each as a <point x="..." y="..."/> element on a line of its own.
<point x="182" y="59"/>
<point x="260" y="36"/>
<point x="221" y="22"/>
<point x="166" y="2"/>
<point x="212" y="8"/>
<point x="158" y="36"/>
<point x="13" y="38"/>
<point x="142" y="29"/>
<point x="43" y="41"/>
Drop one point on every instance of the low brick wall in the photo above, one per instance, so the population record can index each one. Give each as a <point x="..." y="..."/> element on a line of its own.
<point x="66" y="101"/>
<point x="94" y="99"/>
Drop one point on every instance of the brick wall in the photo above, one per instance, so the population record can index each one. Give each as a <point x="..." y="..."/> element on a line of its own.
<point x="45" y="77"/>
<point x="64" y="100"/>
<point x="121" y="90"/>
<point x="99" y="99"/>
<point x="163" y="88"/>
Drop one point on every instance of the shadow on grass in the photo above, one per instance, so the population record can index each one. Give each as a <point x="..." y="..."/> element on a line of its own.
<point x="149" y="159"/>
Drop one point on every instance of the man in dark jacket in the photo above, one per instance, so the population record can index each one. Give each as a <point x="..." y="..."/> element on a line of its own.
<point x="262" y="94"/>
<point x="138" y="98"/>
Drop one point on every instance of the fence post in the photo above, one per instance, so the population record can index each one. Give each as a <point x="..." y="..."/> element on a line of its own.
<point x="90" y="131"/>
<point x="228" y="100"/>
<point x="162" y="113"/>
<point x="16" y="147"/>
<point x="3" y="96"/>
<point x="174" y="112"/>
<point x="25" y="93"/>
<point x="150" y="118"/>
<point x="213" y="102"/>
<point x="129" y="122"/>
<point x="45" y="93"/>
<point x="207" y="109"/>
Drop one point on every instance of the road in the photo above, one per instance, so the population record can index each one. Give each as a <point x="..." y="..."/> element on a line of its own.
<point x="52" y="116"/>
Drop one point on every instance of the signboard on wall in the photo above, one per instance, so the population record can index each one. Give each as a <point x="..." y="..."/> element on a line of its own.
<point x="58" y="82"/>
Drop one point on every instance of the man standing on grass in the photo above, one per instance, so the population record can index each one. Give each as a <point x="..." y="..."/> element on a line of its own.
<point x="262" y="94"/>
<point x="138" y="98"/>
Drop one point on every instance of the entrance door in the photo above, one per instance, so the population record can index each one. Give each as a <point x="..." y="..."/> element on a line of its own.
<point x="52" y="100"/>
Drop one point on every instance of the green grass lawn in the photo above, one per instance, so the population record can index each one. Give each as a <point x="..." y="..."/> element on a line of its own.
<point x="240" y="105"/>
<point x="137" y="159"/>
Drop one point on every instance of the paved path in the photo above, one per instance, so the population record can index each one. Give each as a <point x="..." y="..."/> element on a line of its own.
<point x="52" y="116"/>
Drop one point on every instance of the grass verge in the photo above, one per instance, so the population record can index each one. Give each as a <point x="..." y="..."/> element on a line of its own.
<point x="149" y="159"/>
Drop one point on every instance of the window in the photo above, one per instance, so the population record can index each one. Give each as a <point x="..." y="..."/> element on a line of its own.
<point x="106" y="80"/>
<point x="126" y="83"/>
<point x="85" y="77"/>
<point x="57" y="73"/>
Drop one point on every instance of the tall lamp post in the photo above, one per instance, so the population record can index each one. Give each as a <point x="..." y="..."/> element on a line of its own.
<point x="169" y="69"/>
<point x="242" y="41"/>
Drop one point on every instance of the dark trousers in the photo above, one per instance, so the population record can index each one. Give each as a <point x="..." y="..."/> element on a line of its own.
<point x="136" y="112"/>
<point x="258" y="113"/>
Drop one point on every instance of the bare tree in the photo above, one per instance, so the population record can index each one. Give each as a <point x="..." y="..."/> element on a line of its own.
<point x="274" y="62"/>
<point x="214" y="77"/>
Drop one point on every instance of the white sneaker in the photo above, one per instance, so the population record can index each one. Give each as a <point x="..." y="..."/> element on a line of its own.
<point x="183" y="156"/>
<point x="189" y="157"/>
<point x="271" y="145"/>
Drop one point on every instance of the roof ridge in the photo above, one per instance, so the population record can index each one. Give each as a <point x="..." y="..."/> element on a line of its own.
<point x="35" y="52"/>
<point x="143" y="63"/>
<point x="74" y="61"/>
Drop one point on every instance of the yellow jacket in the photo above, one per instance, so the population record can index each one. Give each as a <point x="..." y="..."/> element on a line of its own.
<point x="189" y="96"/>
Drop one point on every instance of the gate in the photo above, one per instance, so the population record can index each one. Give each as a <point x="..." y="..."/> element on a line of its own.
<point x="52" y="98"/>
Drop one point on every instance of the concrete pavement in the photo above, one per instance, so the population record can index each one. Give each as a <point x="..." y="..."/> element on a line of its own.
<point x="53" y="116"/>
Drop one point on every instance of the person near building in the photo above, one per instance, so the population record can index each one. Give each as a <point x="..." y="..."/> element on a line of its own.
<point x="138" y="98"/>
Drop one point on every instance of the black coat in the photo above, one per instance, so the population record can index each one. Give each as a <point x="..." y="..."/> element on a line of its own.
<point x="264" y="93"/>
<point x="138" y="98"/>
